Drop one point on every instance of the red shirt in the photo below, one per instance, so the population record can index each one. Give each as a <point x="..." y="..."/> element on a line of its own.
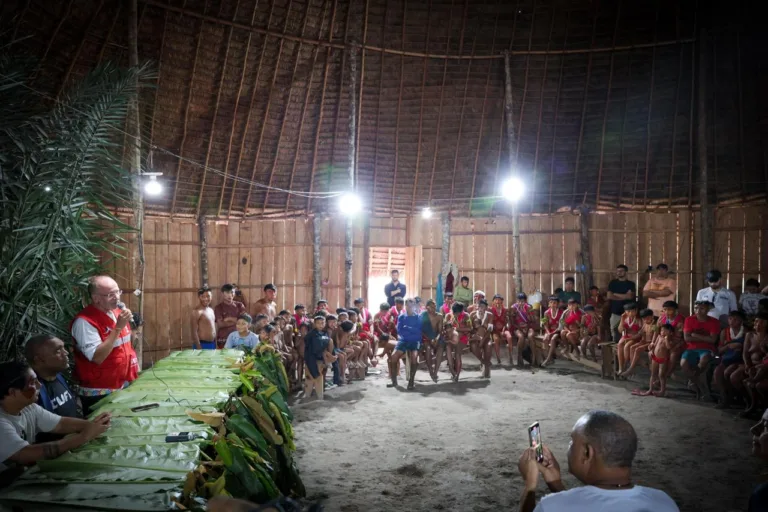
<point x="708" y="327"/>
<point x="553" y="321"/>
<point x="523" y="315"/>
<point x="573" y="317"/>
<point x="631" y="326"/>
<point x="499" y="319"/>
<point x="590" y="322"/>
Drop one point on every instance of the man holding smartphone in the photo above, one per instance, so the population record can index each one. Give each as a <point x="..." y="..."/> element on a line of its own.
<point x="603" y="446"/>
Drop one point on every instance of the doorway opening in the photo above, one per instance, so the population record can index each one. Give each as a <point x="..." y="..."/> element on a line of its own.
<point x="383" y="260"/>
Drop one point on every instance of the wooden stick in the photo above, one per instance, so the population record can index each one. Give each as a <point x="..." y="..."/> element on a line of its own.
<point x="674" y="123"/>
<point x="203" y="229"/>
<point x="339" y="98"/>
<point x="362" y="81"/>
<point x="623" y="130"/>
<point x="133" y="125"/>
<point x="584" y="109"/>
<point x="511" y="142"/>
<point x="421" y="111"/>
<point x="317" y="268"/>
<point x="303" y="112"/>
<point x="707" y="212"/>
<point x="378" y="110"/>
<point x="366" y="253"/>
<point x="352" y="158"/>
<point x="482" y="113"/>
<point x="73" y="61"/>
<point x="650" y="113"/>
<point x="461" y="114"/>
<point x="525" y="83"/>
<point x="186" y="118"/>
<point x="266" y="112"/>
<point x="313" y="164"/>
<point x="248" y="116"/>
<point x="440" y="108"/>
<point x="557" y="110"/>
<point x="234" y="115"/>
<point x="607" y="106"/>
<point x="282" y="121"/>
<point x="399" y="105"/>
<point x="373" y="48"/>
<point x="215" y="115"/>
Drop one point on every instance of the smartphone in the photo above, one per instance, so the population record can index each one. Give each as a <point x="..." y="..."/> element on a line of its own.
<point x="534" y="438"/>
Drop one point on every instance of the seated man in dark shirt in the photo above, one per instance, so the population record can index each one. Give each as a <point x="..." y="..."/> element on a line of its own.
<point x="48" y="357"/>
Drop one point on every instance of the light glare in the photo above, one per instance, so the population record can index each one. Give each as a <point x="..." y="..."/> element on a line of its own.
<point x="426" y="213"/>
<point x="153" y="187"/>
<point x="350" y="204"/>
<point x="513" y="189"/>
<point x="47" y="188"/>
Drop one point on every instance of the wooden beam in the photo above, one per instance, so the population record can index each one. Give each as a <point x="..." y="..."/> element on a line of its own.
<point x="266" y="110"/>
<point x="461" y="121"/>
<point x="574" y="194"/>
<point x="607" y="107"/>
<point x="215" y="115"/>
<point x="112" y="29"/>
<point x="440" y="109"/>
<point x="315" y="51"/>
<point x="445" y="252"/>
<point x="557" y="111"/>
<point x="317" y="269"/>
<point x="362" y="81"/>
<point x="707" y="211"/>
<point x="203" y="230"/>
<point x="482" y="113"/>
<point x="243" y="145"/>
<point x="366" y="253"/>
<point x="525" y="82"/>
<point x="674" y="123"/>
<point x="511" y="142"/>
<point x="72" y="62"/>
<point x="339" y="97"/>
<point x="421" y="109"/>
<point x="715" y="180"/>
<point x="53" y="37"/>
<point x="399" y="104"/>
<point x="378" y="111"/>
<point x="623" y="131"/>
<point x="133" y="122"/>
<point x="234" y="114"/>
<point x="742" y="168"/>
<point x="352" y="159"/>
<point x="372" y="48"/>
<point x="650" y="112"/>
<point x="186" y="118"/>
<point x="320" y="116"/>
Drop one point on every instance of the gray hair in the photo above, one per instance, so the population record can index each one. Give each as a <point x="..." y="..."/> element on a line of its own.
<point x="613" y="437"/>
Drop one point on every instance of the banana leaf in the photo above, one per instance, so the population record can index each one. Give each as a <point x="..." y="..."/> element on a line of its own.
<point x="137" y="426"/>
<point x="126" y="497"/>
<point x="169" y="461"/>
<point x="190" y="398"/>
<point x="141" y="440"/>
<point x="199" y="383"/>
<point x="166" y="409"/>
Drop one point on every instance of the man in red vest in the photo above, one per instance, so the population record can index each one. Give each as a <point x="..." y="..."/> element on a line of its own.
<point x="104" y="357"/>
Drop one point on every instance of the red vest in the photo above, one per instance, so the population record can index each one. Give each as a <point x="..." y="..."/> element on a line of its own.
<point x="120" y="366"/>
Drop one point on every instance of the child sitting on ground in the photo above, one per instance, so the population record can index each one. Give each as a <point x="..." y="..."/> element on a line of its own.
<point x="551" y="323"/>
<point x="647" y="333"/>
<point x="630" y="334"/>
<point x="242" y="337"/>
<point x="590" y="331"/>
<point x="659" y="349"/>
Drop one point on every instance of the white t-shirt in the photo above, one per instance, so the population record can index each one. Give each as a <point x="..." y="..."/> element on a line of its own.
<point x="594" y="499"/>
<point x="19" y="431"/>
<point x="87" y="336"/>
<point x="723" y="299"/>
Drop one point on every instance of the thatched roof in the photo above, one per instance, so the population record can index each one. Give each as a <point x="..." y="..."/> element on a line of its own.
<point x="604" y="98"/>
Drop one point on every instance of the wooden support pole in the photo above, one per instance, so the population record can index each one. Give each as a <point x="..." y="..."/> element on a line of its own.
<point x="134" y="159"/>
<point x="317" y="268"/>
<point x="366" y="254"/>
<point x="512" y="141"/>
<point x="421" y="111"/>
<point x="707" y="211"/>
<point x="586" y="253"/>
<point x="445" y="251"/>
<point x="203" y="230"/>
<point x="362" y="79"/>
<point x="399" y="106"/>
<point x="351" y="155"/>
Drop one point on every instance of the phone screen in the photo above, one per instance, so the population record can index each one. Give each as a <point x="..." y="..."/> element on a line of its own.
<point x="534" y="438"/>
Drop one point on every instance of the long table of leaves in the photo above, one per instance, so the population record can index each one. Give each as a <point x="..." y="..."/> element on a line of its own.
<point x="237" y="440"/>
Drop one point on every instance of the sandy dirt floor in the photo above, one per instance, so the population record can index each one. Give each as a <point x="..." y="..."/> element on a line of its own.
<point x="455" y="446"/>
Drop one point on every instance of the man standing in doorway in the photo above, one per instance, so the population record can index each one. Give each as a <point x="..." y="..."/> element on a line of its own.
<point x="394" y="289"/>
<point x="104" y="357"/>
<point x="659" y="289"/>
<point x="463" y="293"/>
<point x="226" y="314"/>
<point x="267" y="305"/>
<point x="620" y="291"/>
<point x="723" y="299"/>
<point x="203" y="321"/>
<point x="569" y="292"/>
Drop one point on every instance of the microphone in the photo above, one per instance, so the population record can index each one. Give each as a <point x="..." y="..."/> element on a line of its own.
<point x="120" y="305"/>
<point x="136" y="321"/>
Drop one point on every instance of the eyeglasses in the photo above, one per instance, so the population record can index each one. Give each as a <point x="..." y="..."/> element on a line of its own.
<point x="111" y="295"/>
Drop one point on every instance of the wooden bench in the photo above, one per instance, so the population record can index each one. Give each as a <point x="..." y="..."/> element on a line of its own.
<point x="605" y="367"/>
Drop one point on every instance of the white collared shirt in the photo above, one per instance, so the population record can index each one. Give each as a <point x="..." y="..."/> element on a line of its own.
<point x="723" y="299"/>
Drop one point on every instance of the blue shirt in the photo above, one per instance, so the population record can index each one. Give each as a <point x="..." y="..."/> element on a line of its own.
<point x="234" y="340"/>
<point x="391" y="287"/>
<point x="409" y="327"/>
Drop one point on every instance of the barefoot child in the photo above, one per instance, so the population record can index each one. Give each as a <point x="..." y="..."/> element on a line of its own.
<point x="670" y="316"/>
<point x="659" y="350"/>
<point x="501" y="327"/>
<point x="590" y="329"/>
<point x="480" y="341"/>
<point x="523" y="323"/>
<point x="551" y="324"/>
<point x="700" y="332"/>
<point x="572" y="326"/>
<point x="630" y="334"/>
<point x="409" y="332"/>
<point x="431" y="327"/>
<point x="756" y="384"/>
<point x="647" y="333"/>
<point x="461" y="325"/>
<point x="730" y="351"/>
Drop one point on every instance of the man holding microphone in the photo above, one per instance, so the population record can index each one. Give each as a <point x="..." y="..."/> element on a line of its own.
<point x="104" y="357"/>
